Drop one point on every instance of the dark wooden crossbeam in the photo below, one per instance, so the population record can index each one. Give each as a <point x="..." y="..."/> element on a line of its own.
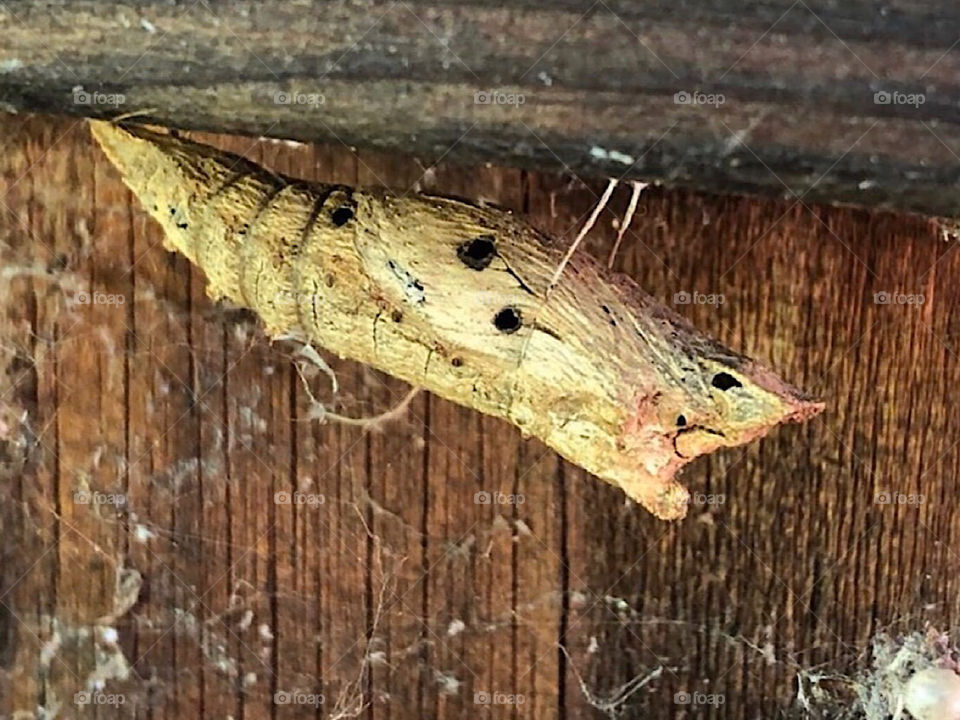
<point x="839" y="102"/>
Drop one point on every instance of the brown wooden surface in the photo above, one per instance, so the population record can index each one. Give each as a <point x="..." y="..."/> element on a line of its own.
<point x="182" y="406"/>
<point x="599" y="79"/>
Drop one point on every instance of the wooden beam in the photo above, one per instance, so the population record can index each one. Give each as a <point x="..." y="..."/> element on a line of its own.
<point x="811" y="100"/>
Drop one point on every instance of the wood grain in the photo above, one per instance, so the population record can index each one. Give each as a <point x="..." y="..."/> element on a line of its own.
<point x="599" y="79"/>
<point x="182" y="406"/>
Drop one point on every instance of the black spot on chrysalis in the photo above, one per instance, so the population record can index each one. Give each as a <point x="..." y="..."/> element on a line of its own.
<point x="609" y="312"/>
<point x="456" y="362"/>
<point x="508" y="320"/>
<point x="725" y="381"/>
<point x="341" y="216"/>
<point x="681" y="421"/>
<point x="478" y="253"/>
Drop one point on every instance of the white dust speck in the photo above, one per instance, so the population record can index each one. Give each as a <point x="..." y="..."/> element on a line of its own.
<point x="49" y="650"/>
<point x="246" y="620"/>
<point x="449" y="685"/>
<point x="378" y="658"/>
<point x="142" y="534"/>
<point x="600" y="153"/>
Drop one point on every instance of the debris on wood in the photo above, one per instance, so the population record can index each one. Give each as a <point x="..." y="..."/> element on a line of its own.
<point x="912" y="676"/>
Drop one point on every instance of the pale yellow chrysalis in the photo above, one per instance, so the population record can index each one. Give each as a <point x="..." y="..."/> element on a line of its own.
<point x="450" y="297"/>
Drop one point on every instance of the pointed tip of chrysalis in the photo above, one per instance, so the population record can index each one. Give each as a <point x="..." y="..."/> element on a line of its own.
<point x="740" y="401"/>
<point x="797" y="405"/>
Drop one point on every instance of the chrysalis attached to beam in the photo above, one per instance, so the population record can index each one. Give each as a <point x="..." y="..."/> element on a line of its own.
<point x="454" y="298"/>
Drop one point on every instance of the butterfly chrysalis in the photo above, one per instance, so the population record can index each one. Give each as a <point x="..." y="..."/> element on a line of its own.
<point x="457" y="299"/>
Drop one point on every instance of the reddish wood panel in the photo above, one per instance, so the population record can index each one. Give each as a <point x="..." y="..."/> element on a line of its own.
<point x="264" y="564"/>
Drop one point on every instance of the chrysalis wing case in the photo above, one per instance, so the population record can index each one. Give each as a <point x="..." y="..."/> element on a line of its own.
<point x="450" y="297"/>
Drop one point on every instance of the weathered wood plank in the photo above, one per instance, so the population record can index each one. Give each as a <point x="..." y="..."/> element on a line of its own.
<point x="798" y="565"/>
<point x="799" y="117"/>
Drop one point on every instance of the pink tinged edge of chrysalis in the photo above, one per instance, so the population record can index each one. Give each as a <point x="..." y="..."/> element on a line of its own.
<point x="665" y="449"/>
